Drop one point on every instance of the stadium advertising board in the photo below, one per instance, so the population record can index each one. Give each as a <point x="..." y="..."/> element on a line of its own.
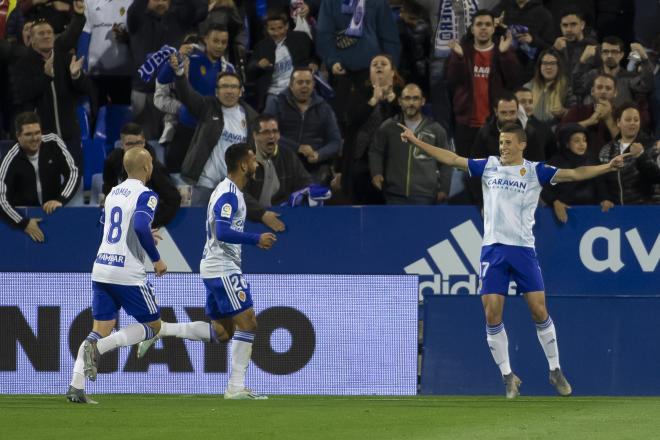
<point x="610" y="253"/>
<point x="318" y="334"/>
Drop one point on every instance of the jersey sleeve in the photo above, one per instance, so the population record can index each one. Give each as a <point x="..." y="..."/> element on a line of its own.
<point x="476" y="167"/>
<point x="225" y="207"/>
<point x="147" y="203"/>
<point x="545" y="173"/>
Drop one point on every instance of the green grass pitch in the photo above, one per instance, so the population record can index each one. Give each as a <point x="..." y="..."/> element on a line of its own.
<point x="121" y="417"/>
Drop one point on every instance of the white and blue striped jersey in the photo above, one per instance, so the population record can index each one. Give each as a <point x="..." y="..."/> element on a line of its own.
<point x="511" y="195"/>
<point x="120" y="258"/>
<point x="226" y="205"/>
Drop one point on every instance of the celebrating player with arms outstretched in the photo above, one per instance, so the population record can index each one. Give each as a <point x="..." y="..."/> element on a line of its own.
<point x="511" y="187"/>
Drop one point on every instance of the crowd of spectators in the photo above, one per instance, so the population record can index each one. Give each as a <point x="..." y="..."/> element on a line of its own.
<point x="319" y="87"/>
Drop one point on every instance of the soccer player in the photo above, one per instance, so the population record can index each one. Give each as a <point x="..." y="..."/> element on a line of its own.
<point x="119" y="276"/>
<point x="511" y="187"/>
<point x="228" y="298"/>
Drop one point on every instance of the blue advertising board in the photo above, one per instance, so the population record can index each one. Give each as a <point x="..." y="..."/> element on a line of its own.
<point x="614" y="253"/>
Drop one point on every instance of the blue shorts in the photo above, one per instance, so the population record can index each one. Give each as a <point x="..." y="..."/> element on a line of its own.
<point x="227" y="296"/>
<point x="501" y="263"/>
<point x="138" y="301"/>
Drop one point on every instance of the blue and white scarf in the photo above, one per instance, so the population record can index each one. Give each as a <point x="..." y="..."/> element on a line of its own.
<point x="357" y="9"/>
<point x="154" y="62"/>
<point x="448" y="24"/>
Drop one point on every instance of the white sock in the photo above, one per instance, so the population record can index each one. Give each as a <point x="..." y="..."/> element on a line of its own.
<point x="241" y="352"/>
<point x="78" y="379"/>
<point x="129" y="335"/>
<point x="195" y="331"/>
<point x="548" y="339"/>
<point x="498" y="343"/>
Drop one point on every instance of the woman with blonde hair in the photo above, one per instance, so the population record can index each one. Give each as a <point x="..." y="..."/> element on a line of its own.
<point x="550" y="87"/>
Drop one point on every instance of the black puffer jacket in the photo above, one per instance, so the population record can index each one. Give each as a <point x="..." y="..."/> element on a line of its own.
<point x="629" y="186"/>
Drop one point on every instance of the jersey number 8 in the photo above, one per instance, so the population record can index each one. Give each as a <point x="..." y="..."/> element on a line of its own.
<point x="114" y="233"/>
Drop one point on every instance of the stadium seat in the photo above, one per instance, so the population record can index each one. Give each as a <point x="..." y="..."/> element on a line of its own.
<point x="83" y="120"/>
<point x="93" y="157"/>
<point x="109" y="122"/>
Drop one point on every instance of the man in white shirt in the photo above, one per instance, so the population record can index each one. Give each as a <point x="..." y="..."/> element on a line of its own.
<point x="511" y="187"/>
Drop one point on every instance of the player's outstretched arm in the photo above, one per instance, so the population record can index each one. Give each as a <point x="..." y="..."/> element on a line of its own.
<point x="440" y="154"/>
<point x="589" y="172"/>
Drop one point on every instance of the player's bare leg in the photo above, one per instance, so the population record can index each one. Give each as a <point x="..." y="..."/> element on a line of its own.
<point x="545" y="330"/>
<point x="498" y="341"/>
<point x="241" y="352"/>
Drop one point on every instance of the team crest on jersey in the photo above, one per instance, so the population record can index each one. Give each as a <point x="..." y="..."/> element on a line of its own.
<point x="523" y="171"/>
<point x="225" y="211"/>
<point x="202" y="70"/>
<point x="241" y="296"/>
<point x="152" y="202"/>
<point x="122" y="11"/>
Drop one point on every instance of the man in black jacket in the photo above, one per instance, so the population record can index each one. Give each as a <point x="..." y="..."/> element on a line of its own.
<point x="279" y="175"/>
<point x="49" y="80"/>
<point x="37" y="171"/>
<point x="169" y="198"/>
<point x="275" y="57"/>
<point x="222" y="120"/>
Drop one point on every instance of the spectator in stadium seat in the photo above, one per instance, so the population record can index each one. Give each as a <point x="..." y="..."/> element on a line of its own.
<point x="152" y="24"/>
<point x="347" y="39"/>
<point x="551" y="87"/>
<point x="450" y="21"/>
<point x="415" y="36"/>
<point x="307" y="124"/>
<point x="573" y="40"/>
<point x="629" y="186"/>
<point x="222" y="120"/>
<point x="280" y="173"/>
<point x="160" y="182"/>
<point x="206" y="63"/>
<point x="542" y="130"/>
<point x="598" y="116"/>
<point x="353" y="176"/>
<point x="256" y="11"/>
<point x="274" y="58"/>
<point x="573" y="154"/>
<point x="37" y="171"/>
<point x="487" y="142"/>
<point x="405" y="174"/>
<point x="630" y="86"/>
<point x="226" y="14"/>
<point x="105" y="43"/>
<point x="49" y="79"/>
<point x="533" y="30"/>
<point x="478" y="71"/>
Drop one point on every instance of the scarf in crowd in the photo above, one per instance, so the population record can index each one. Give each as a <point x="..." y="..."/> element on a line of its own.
<point x="516" y="31"/>
<point x="154" y="62"/>
<point x="450" y="27"/>
<point x="357" y="9"/>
